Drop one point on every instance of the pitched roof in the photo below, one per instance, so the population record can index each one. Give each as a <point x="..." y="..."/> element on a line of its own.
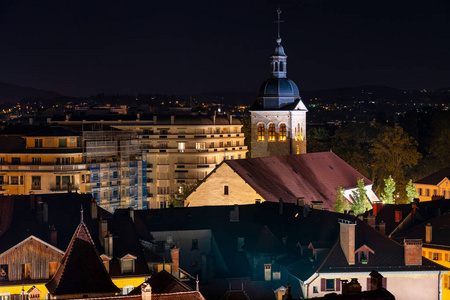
<point x="440" y="237"/>
<point x="193" y="295"/>
<point x="314" y="176"/>
<point x="388" y="255"/>
<point x="435" y="178"/>
<point x="53" y="131"/>
<point x="162" y="283"/>
<point x="235" y="295"/>
<point x="81" y="258"/>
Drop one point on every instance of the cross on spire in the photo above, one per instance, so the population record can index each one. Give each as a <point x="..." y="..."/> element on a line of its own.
<point x="279" y="11"/>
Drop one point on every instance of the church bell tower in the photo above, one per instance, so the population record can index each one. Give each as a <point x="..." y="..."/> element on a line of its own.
<point x="278" y="116"/>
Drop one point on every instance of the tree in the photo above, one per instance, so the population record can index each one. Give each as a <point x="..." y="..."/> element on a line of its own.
<point x="177" y="198"/>
<point x="389" y="189"/>
<point x="318" y="139"/>
<point x="394" y="153"/>
<point x="338" y="204"/>
<point x="359" y="196"/>
<point x="411" y="191"/>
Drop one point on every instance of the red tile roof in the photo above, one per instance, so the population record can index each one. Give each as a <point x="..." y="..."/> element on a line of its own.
<point x="314" y="176"/>
<point x="193" y="295"/>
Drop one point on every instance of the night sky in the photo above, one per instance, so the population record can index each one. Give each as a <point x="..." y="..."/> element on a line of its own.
<point x="81" y="48"/>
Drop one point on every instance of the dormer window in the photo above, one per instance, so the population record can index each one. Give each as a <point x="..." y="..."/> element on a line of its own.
<point x="363" y="254"/>
<point x="105" y="260"/>
<point x="127" y="264"/>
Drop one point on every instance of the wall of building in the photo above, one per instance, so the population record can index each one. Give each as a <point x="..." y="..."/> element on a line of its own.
<point x="295" y="142"/>
<point x="427" y="191"/>
<point x="403" y="285"/>
<point x="441" y="257"/>
<point x="212" y="190"/>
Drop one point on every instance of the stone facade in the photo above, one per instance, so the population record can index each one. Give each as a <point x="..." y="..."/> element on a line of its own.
<point x="294" y="141"/>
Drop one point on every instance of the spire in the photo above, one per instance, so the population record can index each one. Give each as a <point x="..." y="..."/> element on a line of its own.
<point x="279" y="11"/>
<point x="81" y="211"/>
<point x="278" y="59"/>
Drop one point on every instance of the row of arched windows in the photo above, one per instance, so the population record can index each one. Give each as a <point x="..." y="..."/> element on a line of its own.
<point x="271" y="133"/>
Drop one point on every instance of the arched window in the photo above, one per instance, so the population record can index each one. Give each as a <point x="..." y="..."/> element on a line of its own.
<point x="260" y="132"/>
<point x="281" y="66"/>
<point x="271" y="132"/>
<point x="301" y="133"/>
<point x="282" y="136"/>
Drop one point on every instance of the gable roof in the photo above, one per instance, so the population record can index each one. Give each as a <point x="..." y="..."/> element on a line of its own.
<point x="314" y="176"/>
<point x="388" y="256"/>
<point x="32" y="237"/>
<point x="81" y="258"/>
<point x="435" y="178"/>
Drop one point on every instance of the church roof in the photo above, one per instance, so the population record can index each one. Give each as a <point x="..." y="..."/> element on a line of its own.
<point x="314" y="176"/>
<point x="81" y="259"/>
<point x="278" y="87"/>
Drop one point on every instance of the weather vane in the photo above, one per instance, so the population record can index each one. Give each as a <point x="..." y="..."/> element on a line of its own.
<point x="279" y="11"/>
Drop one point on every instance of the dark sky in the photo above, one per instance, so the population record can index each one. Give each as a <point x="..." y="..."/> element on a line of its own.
<point x="180" y="47"/>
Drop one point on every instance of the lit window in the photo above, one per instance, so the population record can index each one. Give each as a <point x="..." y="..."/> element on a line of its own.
<point x="200" y="146"/>
<point x="272" y="132"/>
<point x="282" y="132"/>
<point x="261" y="132"/>
<point x="181" y="147"/>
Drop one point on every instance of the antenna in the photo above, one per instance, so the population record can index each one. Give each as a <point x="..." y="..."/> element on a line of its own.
<point x="279" y="11"/>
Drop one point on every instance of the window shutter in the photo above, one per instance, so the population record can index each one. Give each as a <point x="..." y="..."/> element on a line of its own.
<point x="384" y="282"/>
<point x="440" y="256"/>
<point x="322" y="284"/>
<point x="338" y="284"/>
<point x="446" y="256"/>
<point x="445" y="281"/>
<point x="368" y="284"/>
<point x="430" y="255"/>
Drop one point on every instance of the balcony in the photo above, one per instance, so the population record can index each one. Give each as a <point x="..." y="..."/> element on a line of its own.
<point x="74" y="167"/>
<point x="60" y="188"/>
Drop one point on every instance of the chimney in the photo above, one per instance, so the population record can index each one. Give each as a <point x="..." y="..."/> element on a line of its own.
<point x="53" y="236"/>
<point x="371" y="221"/>
<point x="155" y="119"/>
<point x="69" y="188"/>
<point x="102" y="230"/>
<point x="234" y="214"/>
<point x="347" y="239"/>
<point x="301" y="201"/>
<point x="109" y="251"/>
<point x="30" y="121"/>
<point x="214" y="118"/>
<point x="131" y="211"/>
<point x="398" y="216"/>
<point x="146" y="291"/>
<point x="428" y="233"/>
<point x="175" y="252"/>
<point x="280" y="206"/>
<point x="172" y="120"/>
<point x="377" y="206"/>
<point x="94" y="209"/>
<point x="240" y="243"/>
<point x="413" y="252"/>
<point x="32" y="201"/>
<point x="231" y="119"/>
<point x="45" y="212"/>
<point x="138" y="117"/>
<point x="382" y="228"/>
<point x="376" y="281"/>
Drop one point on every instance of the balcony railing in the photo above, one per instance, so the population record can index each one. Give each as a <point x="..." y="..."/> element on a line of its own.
<point x="74" y="167"/>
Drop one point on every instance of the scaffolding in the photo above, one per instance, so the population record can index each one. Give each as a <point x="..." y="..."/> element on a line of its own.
<point x="117" y="168"/>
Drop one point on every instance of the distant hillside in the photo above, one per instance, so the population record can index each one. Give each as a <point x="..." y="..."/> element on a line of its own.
<point x="14" y="93"/>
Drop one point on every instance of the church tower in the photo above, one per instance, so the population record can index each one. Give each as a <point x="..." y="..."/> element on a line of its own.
<point x="278" y="116"/>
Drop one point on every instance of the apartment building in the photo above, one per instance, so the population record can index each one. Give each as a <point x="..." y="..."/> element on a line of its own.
<point x="179" y="150"/>
<point x="41" y="161"/>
